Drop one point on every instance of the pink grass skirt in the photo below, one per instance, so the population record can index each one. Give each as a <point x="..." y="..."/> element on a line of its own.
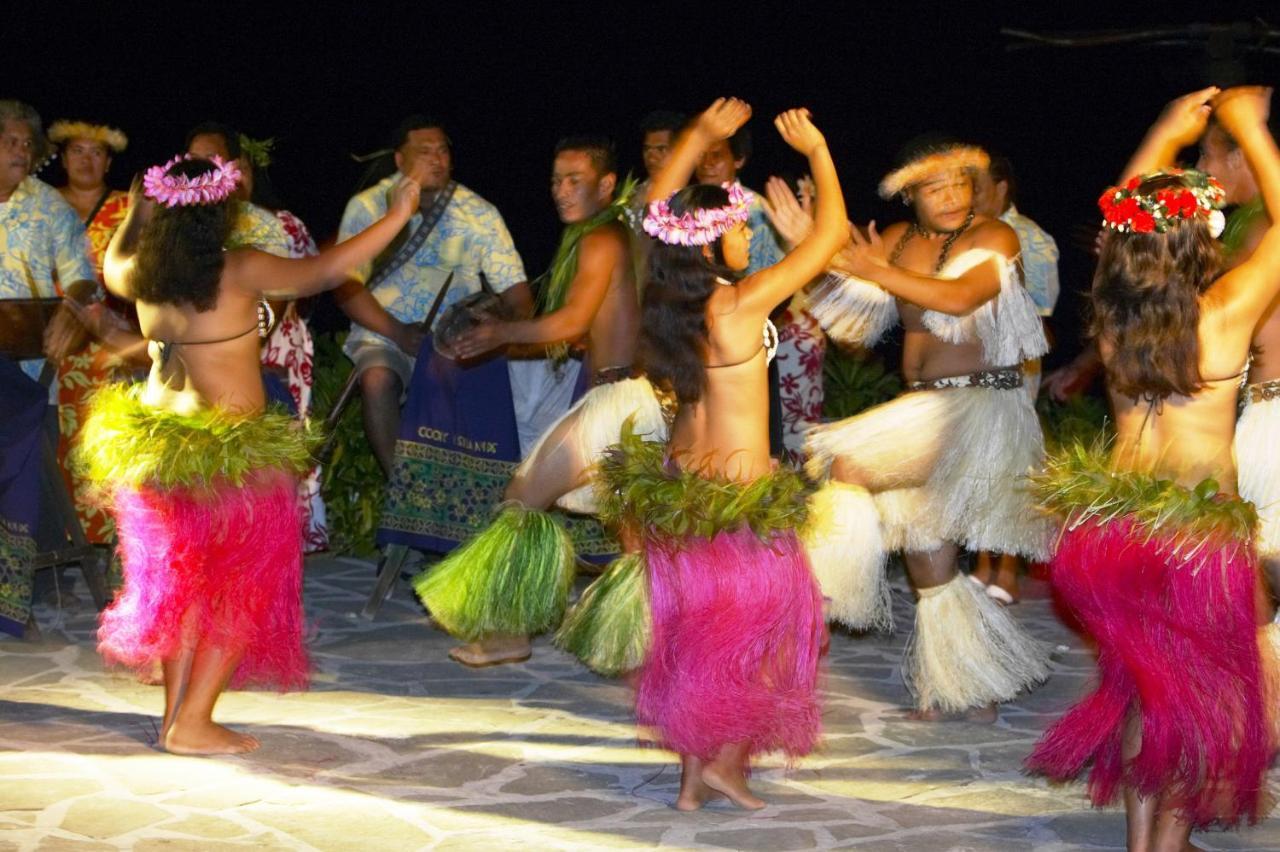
<point x="737" y="636"/>
<point x="1177" y="649"/>
<point x="223" y="561"/>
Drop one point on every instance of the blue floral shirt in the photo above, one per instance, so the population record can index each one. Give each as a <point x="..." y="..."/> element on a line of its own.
<point x="43" y="248"/>
<point x="469" y="239"/>
<point x="1039" y="260"/>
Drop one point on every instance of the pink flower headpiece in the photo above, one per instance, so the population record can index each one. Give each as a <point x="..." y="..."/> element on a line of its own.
<point x="182" y="191"/>
<point x="697" y="227"/>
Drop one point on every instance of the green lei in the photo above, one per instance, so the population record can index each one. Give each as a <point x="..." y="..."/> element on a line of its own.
<point x="1080" y="485"/>
<point x="641" y="488"/>
<point x="553" y="285"/>
<point x="1240" y="222"/>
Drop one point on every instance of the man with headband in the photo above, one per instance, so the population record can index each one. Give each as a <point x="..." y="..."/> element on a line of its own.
<point x="941" y="467"/>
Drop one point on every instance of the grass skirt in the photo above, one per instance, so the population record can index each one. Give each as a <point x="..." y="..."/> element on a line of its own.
<point x="223" y="564"/>
<point x="737" y="635"/>
<point x="946" y="465"/>
<point x="512" y="577"/>
<point x="1163" y="580"/>
<point x="210" y="533"/>
<point x="1258" y="466"/>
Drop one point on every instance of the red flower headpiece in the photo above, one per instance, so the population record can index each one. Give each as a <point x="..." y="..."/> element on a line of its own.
<point x="1126" y="210"/>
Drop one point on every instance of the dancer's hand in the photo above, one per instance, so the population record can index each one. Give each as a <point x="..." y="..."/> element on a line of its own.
<point x="792" y="217"/>
<point x="863" y="255"/>
<point x="404" y="198"/>
<point x="1184" y="119"/>
<point x="1241" y="105"/>
<point x="798" y="131"/>
<point x="722" y="119"/>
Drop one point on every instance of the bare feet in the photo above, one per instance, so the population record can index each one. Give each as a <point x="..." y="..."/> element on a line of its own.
<point x="206" y="738"/>
<point x="694" y="792"/>
<point x="982" y="715"/>
<point x="730" y="784"/>
<point x="493" y="651"/>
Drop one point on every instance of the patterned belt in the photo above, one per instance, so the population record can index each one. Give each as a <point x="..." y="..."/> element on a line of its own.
<point x="609" y="375"/>
<point x="1264" y="391"/>
<point x="1001" y="378"/>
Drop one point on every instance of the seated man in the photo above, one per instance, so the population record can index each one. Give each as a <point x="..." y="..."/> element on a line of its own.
<point x="43" y="255"/>
<point x="456" y="233"/>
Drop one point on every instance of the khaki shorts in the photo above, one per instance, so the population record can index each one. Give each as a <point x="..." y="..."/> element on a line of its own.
<point x="368" y="355"/>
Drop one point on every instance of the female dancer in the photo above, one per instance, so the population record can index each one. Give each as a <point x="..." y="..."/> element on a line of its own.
<point x="737" y="625"/>
<point x="1157" y="558"/>
<point x="200" y="477"/>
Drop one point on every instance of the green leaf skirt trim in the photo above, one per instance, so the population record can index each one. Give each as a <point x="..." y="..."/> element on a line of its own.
<point x="127" y="443"/>
<point x="644" y="490"/>
<point x="1081" y="485"/>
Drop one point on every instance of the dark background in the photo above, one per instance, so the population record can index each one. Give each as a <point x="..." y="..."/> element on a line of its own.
<point x="510" y="79"/>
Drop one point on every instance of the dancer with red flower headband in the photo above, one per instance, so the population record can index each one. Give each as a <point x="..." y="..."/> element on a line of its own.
<point x="200" y="476"/>
<point x="1156" y="557"/>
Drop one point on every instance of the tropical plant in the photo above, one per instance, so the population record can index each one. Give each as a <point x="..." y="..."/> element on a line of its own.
<point x="352" y="484"/>
<point x="855" y="380"/>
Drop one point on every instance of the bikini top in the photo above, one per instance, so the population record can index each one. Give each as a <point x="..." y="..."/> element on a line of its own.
<point x="768" y="345"/>
<point x="266" y="319"/>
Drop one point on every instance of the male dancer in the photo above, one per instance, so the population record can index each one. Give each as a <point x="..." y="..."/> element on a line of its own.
<point x="939" y="468"/>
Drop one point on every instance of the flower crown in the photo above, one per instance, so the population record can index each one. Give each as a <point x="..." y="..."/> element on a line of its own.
<point x="1126" y="210"/>
<point x="697" y="227"/>
<point x="182" y="191"/>
<point x="65" y="131"/>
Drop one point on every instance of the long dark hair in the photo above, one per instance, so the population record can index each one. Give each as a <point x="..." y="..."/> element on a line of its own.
<point x="673" y="330"/>
<point x="1146" y="303"/>
<point x="179" y="259"/>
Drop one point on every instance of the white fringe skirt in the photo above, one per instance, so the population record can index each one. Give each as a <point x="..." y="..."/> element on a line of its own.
<point x="594" y="424"/>
<point x="1257" y="448"/>
<point x="947" y="463"/>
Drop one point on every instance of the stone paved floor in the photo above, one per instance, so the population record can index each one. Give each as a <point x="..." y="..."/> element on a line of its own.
<point x="396" y="748"/>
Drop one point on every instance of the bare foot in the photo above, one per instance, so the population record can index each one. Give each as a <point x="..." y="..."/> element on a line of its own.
<point x="206" y="738"/>
<point x="493" y="652"/>
<point x="983" y="715"/>
<point x="732" y="785"/>
<point x="694" y="793"/>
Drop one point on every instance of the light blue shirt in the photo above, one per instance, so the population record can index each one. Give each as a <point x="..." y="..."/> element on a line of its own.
<point x="469" y="239"/>
<point x="1039" y="260"/>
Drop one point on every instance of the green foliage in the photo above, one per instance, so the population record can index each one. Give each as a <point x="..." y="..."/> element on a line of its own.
<point x="128" y="443"/>
<point x="610" y="626"/>
<point x="514" y="576"/>
<point x="1080" y="484"/>
<point x="1081" y="420"/>
<point x="640" y="488"/>
<point x="855" y="380"/>
<point x="353" y="485"/>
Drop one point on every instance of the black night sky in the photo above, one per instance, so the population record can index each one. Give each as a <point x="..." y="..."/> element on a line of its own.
<point x="510" y="79"/>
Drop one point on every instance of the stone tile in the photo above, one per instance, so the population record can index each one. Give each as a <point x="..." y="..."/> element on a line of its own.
<point x="206" y="827"/>
<point x="759" y="838"/>
<point x="103" y="817"/>
<point x="33" y="795"/>
<point x="325" y="827"/>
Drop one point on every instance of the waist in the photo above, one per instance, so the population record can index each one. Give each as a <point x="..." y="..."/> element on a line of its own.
<point x="998" y="378"/>
<point x="1262" y="391"/>
<point x="610" y="375"/>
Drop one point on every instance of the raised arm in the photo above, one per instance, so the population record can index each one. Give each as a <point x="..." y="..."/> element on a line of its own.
<point x="1249" y="289"/>
<point x="720" y="121"/>
<point x="1180" y="124"/>
<point x="117" y="263"/>
<point x="261" y="273"/>
<point x="771" y="286"/>
<point x="865" y="258"/>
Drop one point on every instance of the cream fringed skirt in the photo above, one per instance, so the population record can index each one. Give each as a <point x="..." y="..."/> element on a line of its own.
<point x="946" y="464"/>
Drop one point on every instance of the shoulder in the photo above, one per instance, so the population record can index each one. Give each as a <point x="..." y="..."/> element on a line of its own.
<point x="372" y="198"/>
<point x="895" y="231"/>
<point x="611" y="237"/>
<point x="468" y="202"/>
<point x="994" y="235"/>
